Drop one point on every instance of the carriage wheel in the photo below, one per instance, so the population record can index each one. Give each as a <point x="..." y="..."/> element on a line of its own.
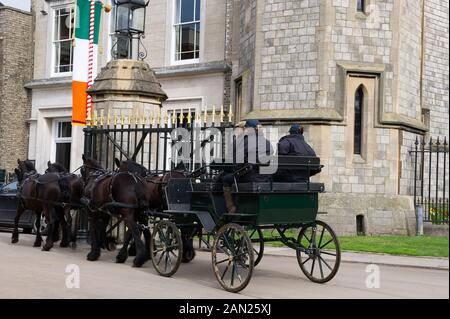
<point x="257" y="239"/>
<point x="166" y="248"/>
<point x="322" y="262"/>
<point x="232" y="257"/>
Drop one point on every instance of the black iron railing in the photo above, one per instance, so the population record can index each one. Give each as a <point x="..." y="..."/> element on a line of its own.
<point x="431" y="179"/>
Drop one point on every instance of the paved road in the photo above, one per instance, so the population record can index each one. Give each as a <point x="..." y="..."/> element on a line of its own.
<point x="27" y="272"/>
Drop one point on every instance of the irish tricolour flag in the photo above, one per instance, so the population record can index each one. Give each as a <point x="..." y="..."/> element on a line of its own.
<point x="87" y="17"/>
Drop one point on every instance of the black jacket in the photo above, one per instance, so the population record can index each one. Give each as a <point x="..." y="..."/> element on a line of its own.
<point x="247" y="149"/>
<point x="294" y="145"/>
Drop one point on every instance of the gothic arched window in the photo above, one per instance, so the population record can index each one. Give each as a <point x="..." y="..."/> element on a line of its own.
<point x="360" y="5"/>
<point x="359" y="102"/>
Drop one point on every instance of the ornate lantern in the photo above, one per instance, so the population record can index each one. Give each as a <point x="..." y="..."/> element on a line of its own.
<point x="129" y="28"/>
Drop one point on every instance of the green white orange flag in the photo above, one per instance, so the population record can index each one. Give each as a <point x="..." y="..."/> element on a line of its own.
<point x="87" y="26"/>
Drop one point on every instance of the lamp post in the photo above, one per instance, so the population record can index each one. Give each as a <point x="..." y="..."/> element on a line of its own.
<point x="129" y="28"/>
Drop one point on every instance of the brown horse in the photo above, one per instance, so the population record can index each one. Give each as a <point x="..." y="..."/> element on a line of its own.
<point x="154" y="189"/>
<point x="118" y="193"/>
<point x="40" y="194"/>
<point x="72" y="188"/>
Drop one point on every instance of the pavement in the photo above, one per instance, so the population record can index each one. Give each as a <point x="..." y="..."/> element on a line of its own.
<point x="372" y="258"/>
<point x="27" y="272"/>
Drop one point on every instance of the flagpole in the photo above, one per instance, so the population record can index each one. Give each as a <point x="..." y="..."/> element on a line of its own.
<point x="90" y="59"/>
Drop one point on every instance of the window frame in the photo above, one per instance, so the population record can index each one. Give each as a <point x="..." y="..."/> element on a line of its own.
<point x="363" y="6"/>
<point x="173" y="28"/>
<point x="359" y="91"/>
<point x="54" y="9"/>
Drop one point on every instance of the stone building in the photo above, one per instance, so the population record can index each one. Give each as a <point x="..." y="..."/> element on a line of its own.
<point x="366" y="77"/>
<point x="16" y="49"/>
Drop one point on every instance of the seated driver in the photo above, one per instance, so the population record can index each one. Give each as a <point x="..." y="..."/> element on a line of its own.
<point x="294" y="144"/>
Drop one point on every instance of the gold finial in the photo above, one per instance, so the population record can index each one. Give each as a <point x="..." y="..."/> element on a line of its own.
<point x="230" y="114"/>
<point x="205" y="115"/>
<point x="102" y="114"/>
<point x="189" y="117"/>
<point x="150" y="118"/>
<point x="108" y="118"/>
<point x="181" y="116"/>
<point x="166" y="118"/>
<point x="222" y="114"/>
<point x="115" y="118"/>
<point x="107" y="8"/>
<point x="198" y="118"/>
<point x="213" y="120"/>
<point x="95" y="117"/>
<point x="174" y="118"/>
<point x="130" y="118"/>
<point x="122" y="118"/>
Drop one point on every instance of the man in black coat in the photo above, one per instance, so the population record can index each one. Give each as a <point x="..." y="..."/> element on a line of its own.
<point x="294" y="144"/>
<point x="249" y="146"/>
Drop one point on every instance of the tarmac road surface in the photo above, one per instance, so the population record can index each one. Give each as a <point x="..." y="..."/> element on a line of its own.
<point x="27" y="272"/>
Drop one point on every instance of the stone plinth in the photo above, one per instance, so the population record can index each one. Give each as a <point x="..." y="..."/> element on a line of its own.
<point x="128" y="87"/>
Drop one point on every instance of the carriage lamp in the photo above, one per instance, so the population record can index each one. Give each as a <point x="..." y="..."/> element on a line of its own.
<point x="129" y="28"/>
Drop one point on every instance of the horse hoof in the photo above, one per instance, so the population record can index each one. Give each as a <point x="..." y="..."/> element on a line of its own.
<point x="139" y="261"/>
<point x="73" y="245"/>
<point x="121" y="258"/>
<point x="64" y="244"/>
<point x="14" y="240"/>
<point x="92" y="256"/>
<point x="47" y="248"/>
<point x="37" y="244"/>
<point x="188" y="255"/>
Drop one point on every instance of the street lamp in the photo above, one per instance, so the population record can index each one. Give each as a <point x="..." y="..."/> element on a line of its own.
<point x="129" y="27"/>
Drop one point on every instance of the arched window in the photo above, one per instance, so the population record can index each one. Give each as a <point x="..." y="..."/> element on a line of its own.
<point x="360" y="5"/>
<point x="359" y="102"/>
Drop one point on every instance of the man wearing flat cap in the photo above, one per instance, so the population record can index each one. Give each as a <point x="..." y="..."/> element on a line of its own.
<point x="294" y="144"/>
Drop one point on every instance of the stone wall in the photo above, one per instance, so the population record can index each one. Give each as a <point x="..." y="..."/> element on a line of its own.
<point x="16" y="41"/>
<point x="289" y="54"/>
<point x="436" y="66"/>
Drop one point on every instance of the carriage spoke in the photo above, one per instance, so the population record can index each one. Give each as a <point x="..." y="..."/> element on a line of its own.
<point x="327" y="253"/>
<point x="320" y="267"/>
<point x="321" y="236"/>
<point x="225" y="271"/>
<point x="160" y="258"/>
<point x="304" y="262"/>
<point x="312" y="266"/>
<point x="165" y="262"/>
<point x="325" y="263"/>
<point x="232" y="273"/>
<point x="326" y="243"/>
<point x="222" y="261"/>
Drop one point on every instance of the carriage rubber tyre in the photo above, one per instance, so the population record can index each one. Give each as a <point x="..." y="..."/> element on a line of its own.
<point x="256" y="237"/>
<point x="323" y="242"/>
<point x="166" y="248"/>
<point x="233" y="249"/>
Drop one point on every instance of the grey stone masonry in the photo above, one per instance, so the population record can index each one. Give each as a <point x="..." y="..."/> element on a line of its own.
<point x="436" y="65"/>
<point x="16" y="42"/>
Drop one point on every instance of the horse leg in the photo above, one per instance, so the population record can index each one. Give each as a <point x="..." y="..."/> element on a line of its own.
<point x="94" y="254"/>
<point x="52" y="217"/>
<point x="147" y="239"/>
<point x="15" y="234"/>
<point x="65" y="224"/>
<point x="188" y="245"/>
<point x="140" y="258"/>
<point x="38" y="241"/>
<point x="123" y="252"/>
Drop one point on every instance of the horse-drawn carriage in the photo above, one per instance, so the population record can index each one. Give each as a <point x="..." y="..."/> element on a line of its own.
<point x="196" y="204"/>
